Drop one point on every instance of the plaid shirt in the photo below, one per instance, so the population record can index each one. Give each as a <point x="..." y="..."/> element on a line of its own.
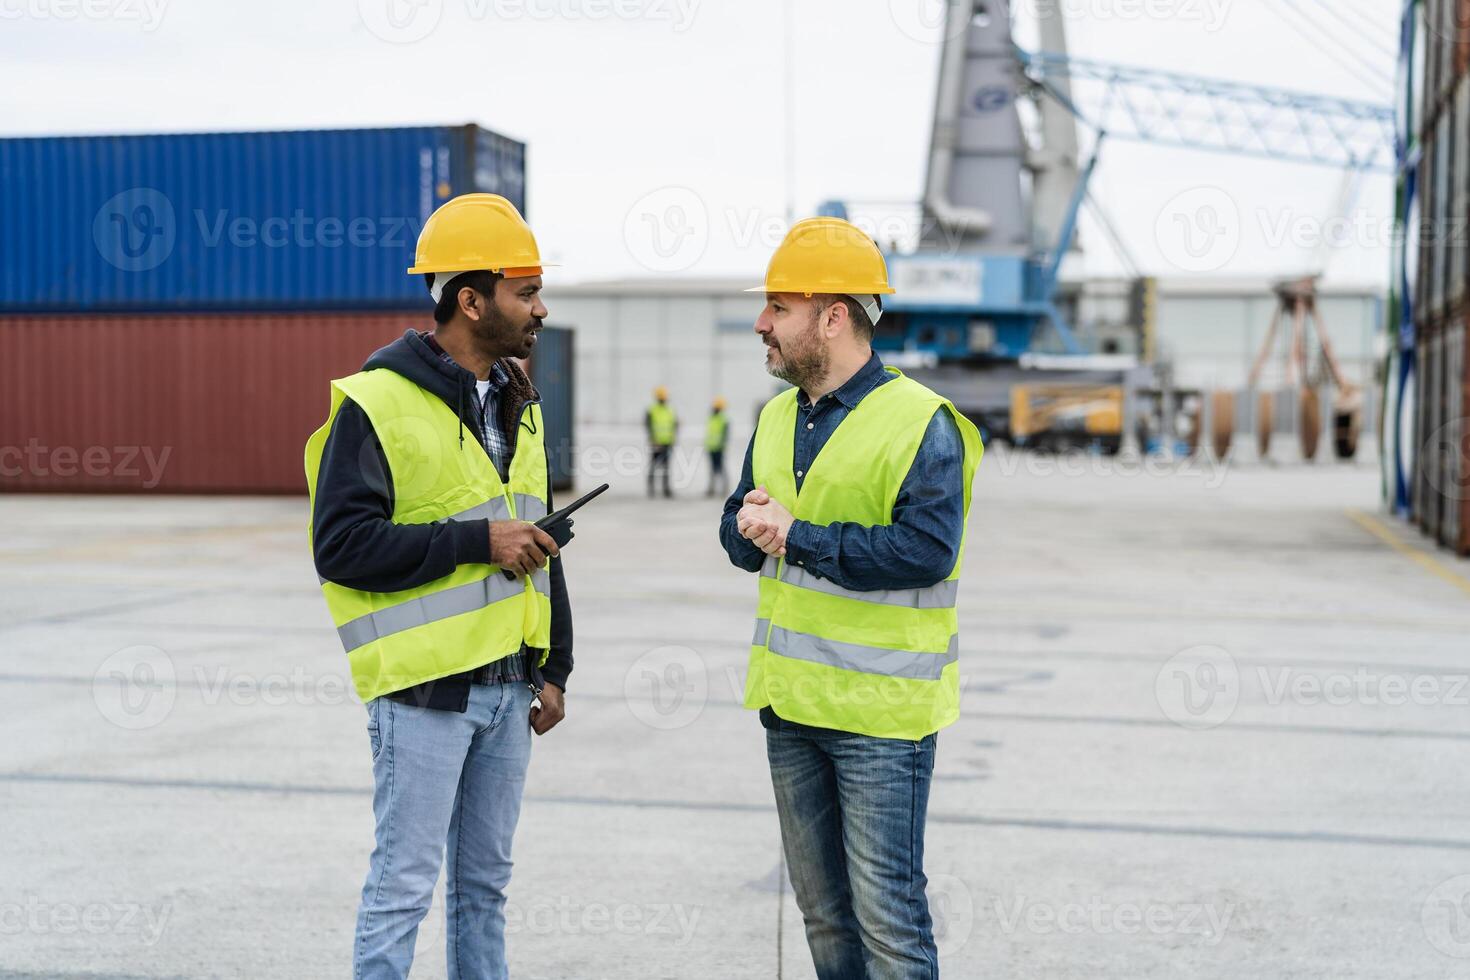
<point x="497" y="446"/>
<point x="513" y="668"/>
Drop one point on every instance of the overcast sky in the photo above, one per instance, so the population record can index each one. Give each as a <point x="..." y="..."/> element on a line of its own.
<point x="666" y="116"/>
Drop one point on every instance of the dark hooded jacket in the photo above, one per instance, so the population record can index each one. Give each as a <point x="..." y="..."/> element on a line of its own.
<point x="357" y="545"/>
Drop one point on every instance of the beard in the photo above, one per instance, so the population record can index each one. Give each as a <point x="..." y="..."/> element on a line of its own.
<point x="804" y="359"/>
<point x="497" y="335"/>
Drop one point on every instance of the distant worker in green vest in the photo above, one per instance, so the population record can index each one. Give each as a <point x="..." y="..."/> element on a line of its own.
<point x="716" y="434"/>
<point x="450" y="603"/>
<point x="662" y="425"/>
<point x="852" y="507"/>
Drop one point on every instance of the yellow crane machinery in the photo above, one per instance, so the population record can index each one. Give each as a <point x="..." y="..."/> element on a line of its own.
<point x="1055" y="417"/>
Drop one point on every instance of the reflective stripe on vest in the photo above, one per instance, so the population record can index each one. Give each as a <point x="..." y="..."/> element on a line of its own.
<point x="940" y="596"/>
<point x="426" y="609"/>
<point x="855" y="656"/>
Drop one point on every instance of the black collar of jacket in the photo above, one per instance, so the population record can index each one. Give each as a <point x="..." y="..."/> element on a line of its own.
<point x="412" y="357"/>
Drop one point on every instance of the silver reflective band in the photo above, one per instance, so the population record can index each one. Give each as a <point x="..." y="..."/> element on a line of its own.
<point x="494" y="509"/>
<point x="428" y="609"/>
<point x="864" y="659"/>
<point x="541" y="581"/>
<point x="940" y="596"/>
<point x="529" y="508"/>
<point x="762" y="627"/>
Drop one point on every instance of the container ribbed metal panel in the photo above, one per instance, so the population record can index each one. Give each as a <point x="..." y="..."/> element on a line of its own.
<point x="318" y="219"/>
<point x="217" y="403"/>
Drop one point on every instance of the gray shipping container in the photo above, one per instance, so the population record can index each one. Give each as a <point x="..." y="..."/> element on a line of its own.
<point x="552" y="371"/>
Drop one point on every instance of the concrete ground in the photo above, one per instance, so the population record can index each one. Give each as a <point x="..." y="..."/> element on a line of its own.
<point x="1214" y="725"/>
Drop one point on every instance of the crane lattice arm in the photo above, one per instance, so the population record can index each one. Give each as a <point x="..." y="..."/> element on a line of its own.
<point x="1210" y="114"/>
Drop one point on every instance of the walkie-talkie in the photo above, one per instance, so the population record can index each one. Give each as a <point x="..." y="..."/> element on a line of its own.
<point x="558" y="524"/>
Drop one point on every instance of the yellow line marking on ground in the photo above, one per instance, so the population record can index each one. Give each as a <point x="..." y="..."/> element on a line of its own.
<point x="1421" y="558"/>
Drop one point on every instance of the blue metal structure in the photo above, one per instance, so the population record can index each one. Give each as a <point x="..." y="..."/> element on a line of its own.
<point x="969" y="305"/>
<point x="323" y="219"/>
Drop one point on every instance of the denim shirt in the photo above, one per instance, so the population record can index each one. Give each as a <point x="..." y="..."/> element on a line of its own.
<point x="917" y="550"/>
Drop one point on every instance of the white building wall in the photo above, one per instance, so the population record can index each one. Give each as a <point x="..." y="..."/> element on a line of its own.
<point x="697" y="339"/>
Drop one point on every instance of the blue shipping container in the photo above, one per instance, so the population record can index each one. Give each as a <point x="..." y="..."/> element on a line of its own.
<point x="319" y="219"/>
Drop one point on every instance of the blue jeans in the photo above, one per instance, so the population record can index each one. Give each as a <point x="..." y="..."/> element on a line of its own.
<point x="445" y="783"/>
<point x="852" y="811"/>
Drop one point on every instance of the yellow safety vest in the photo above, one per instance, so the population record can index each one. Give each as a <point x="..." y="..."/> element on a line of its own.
<point x="474" y="615"/>
<point x="662" y="421"/>
<point x="714" y="432"/>
<point x="882" y="663"/>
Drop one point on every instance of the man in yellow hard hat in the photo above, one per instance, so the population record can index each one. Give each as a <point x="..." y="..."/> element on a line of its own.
<point x="450" y="603"/>
<point x="716" y="434"/>
<point x="662" y="425"/>
<point x="852" y="507"/>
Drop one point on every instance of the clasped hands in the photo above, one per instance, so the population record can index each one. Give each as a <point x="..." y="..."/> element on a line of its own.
<point x="765" y="522"/>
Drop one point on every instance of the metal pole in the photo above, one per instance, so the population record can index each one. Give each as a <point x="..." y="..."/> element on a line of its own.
<point x="790" y="109"/>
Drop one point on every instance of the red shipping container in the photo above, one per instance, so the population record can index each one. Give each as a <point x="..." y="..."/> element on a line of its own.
<point x="1462" y="36"/>
<point x="1456" y="475"/>
<point x="218" y="403"/>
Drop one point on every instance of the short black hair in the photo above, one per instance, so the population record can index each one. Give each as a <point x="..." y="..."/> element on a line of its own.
<point x="862" y="326"/>
<point x="481" y="281"/>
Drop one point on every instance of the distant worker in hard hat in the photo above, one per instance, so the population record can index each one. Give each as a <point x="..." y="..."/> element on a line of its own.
<point x="851" y="506"/>
<point x="662" y="425"/>
<point x="716" y="434"/>
<point x="450" y="603"/>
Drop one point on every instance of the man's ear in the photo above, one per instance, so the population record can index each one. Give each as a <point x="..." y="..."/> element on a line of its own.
<point x="834" y="315"/>
<point x="470" y="305"/>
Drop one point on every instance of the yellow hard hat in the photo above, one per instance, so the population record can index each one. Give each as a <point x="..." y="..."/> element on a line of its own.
<point x="477" y="231"/>
<point x="719" y="404"/>
<point x="660" y="392"/>
<point x="826" y="255"/>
